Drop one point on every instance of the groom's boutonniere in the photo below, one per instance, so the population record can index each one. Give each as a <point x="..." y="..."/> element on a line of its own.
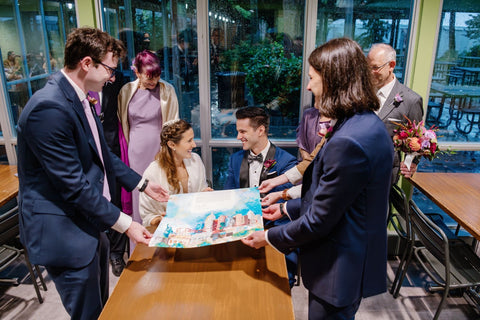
<point x="92" y="101"/>
<point x="269" y="164"/>
<point x="397" y="99"/>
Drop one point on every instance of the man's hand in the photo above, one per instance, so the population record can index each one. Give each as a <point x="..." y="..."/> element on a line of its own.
<point x="408" y="173"/>
<point x="271" y="198"/>
<point x="138" y="234"/>
<point x="255" y="240"/>
<point x="156" y="192"/>
<point x="272" y="213"/>
<point x="207" y="189"/>
<point x="269" y="184"/>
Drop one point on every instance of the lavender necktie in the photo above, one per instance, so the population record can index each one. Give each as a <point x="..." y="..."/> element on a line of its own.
<point x="96" y="137"/>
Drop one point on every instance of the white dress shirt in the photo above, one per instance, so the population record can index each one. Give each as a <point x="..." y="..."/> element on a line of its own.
<point x="384" y="92"/>
<point x="255" y="168"/>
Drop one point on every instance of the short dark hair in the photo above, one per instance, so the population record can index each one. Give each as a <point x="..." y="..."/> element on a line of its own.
<point x="83" y="42"/>
<point x="346" y="79"/>
<point x="258" y="117"/>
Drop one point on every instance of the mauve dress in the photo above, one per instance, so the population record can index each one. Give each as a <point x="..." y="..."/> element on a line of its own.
<point x="145" y="121"/>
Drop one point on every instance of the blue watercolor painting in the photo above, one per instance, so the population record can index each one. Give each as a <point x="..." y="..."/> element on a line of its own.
<point x="207" y="218"/>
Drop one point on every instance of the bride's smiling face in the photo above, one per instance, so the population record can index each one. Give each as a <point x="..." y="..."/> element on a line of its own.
<point x="183" y="149"/>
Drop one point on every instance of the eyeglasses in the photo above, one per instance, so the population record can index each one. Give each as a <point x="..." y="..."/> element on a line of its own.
<point x="112" y="70"/>
<point x="376" y="69"/>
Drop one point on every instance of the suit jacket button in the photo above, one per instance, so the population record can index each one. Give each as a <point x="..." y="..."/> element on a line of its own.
<point x="101" y="180"/>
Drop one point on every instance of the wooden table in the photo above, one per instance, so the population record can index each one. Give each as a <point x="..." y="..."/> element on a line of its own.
<point x="8" y="183"/>
<point x="225" y="281"/>
<point x="457" y="194"/>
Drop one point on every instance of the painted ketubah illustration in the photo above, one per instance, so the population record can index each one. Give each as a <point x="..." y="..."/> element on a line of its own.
<point x="207" y="218"/>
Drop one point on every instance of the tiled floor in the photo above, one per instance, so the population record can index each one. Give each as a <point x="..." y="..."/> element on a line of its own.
<point x="414" y="303"/>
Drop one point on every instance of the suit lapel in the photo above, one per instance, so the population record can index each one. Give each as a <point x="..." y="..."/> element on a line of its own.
<point x="244" y="173"/>
<point x="390" y="103"/>
<point x="77" y="106"/>
<point x="270" y="156"/>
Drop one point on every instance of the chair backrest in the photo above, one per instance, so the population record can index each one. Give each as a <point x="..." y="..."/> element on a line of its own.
<point x="432" y="237"/>
<point x="9" y="228"/>
<point x="399" y="202"/>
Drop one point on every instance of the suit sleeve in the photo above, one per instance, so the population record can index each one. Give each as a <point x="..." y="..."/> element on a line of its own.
<point x="415" y="111"/>
<point x="54" y="146"/>
<point x="345" y="173"/>
<point x="230" y="182"/>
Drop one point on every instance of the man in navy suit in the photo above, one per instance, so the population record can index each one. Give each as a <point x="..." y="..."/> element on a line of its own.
<point x="340" y="222"/>
<point x="67" y="177"/>
<point x="258" y="161"/>
<point x="396" y="100"/>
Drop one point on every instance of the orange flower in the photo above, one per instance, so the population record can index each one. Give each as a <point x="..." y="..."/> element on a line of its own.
<point x="414" y="144"/>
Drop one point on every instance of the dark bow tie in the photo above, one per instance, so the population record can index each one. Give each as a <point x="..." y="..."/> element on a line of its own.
<point x="258" y="158"/>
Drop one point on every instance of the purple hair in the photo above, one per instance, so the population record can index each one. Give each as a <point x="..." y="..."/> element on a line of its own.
<point x="148" y="62"/>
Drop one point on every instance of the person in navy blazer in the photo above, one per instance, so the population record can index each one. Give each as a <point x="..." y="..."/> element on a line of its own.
<point x="340" y="222"/>
<point x="63" y="205"/>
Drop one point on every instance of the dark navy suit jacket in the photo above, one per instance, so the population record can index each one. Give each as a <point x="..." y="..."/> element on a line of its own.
<point x="339" y="224"/>
<point x="284" y="161"/>
<point x="62" y="210"/>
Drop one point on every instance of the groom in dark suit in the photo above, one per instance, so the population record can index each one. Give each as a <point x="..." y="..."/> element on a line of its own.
<point x="260" y="159"/>
<point x="339" y="224"/>
<point x="396" y="100"/>
<point x="67" y="177"/>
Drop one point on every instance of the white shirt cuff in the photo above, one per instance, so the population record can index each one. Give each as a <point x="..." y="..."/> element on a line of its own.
<point x="140" y="184"/>
<point x="123" y="223"/>
<point x="293" y="175"/>
<point x="271" y="245"/>
<point x="295" y="192"/>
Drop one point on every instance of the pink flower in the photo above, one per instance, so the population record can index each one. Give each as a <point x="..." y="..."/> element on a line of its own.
<point x="403" y="135"/>
<point x="398" y="98"/>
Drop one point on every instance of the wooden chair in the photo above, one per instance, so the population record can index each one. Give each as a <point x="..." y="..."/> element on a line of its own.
<point x="9" y="247"/>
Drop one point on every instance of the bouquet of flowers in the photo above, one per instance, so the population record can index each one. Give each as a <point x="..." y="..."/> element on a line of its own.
<point x="415" y="140"/>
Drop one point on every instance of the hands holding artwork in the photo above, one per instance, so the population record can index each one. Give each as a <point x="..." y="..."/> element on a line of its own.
<point x="272" y="212"/>
<point x="269" y="184"/>
<point x="255" y="240"/>
<point x="271" y="198"/>
<point x="138" y="234"/>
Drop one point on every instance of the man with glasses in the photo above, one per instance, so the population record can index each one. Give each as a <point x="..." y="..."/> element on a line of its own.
<point x="67" y="177"/>
<point x="396" y="100"/>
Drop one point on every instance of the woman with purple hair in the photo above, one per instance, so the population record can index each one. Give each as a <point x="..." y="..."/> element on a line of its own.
<point x="143" y="106"/>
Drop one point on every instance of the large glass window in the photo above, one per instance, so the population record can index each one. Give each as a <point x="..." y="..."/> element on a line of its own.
<point x="367" y="22"/>
<point x="169" y="29"/>
<point x="256" y="50"/>
<point x="27" y="60"/>
<point x="454" y="102"/>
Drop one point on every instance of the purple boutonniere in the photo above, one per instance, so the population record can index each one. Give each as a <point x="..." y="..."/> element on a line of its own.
<point x="398" y="98"/>
<point x="269" y="163"/>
